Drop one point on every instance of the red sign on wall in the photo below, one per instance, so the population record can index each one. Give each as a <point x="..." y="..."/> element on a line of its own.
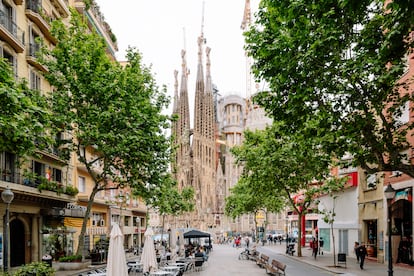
<point x="352" y="179"/>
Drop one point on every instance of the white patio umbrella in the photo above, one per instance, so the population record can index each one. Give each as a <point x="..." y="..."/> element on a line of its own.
<point x="116" y="256"/>
<point x="148" y="257"/>
<point x="173" y="241"/>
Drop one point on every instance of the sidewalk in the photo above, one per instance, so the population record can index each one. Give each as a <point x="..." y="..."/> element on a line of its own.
<point x="223" y="261"/>
<point x="326" y="262"/>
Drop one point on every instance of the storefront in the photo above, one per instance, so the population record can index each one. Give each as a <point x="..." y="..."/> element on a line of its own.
<point x="402" y="226"/>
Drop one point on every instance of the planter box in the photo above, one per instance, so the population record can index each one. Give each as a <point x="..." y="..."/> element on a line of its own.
<point x="71" y="266"/>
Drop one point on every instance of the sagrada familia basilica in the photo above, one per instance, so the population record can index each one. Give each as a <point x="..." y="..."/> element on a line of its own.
<point x="203" y="159"/>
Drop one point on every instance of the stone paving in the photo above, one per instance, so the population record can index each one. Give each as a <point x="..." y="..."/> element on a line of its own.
<point x="223" y="261"/>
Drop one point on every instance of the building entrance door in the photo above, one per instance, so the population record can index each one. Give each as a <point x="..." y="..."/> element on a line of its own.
<point x="17" y="243"/>
<point x="371" y="226"/>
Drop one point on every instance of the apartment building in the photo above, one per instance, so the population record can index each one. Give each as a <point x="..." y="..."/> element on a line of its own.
<point x="48" y="221"/>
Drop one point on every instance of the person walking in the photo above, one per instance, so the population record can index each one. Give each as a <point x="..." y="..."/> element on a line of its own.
<point x="356" y="247"/>
<point x="362" y="250"/>
<point x="320" y="246"/>
<point x="247" y="241"/>
<point x="314" y="246"/>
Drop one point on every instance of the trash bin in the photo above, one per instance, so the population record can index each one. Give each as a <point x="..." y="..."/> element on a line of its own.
<point x="47" y="259"/>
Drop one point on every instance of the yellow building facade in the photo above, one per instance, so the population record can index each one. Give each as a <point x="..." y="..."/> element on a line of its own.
<point x="49" y="221"/>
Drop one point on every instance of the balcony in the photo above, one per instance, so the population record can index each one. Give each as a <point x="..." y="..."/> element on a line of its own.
<point x="31" y="56"/>
<point x="96" y="21"/>
<point x="62" y="7"/>
<point x="28" y="190"/>
<point x="53" y="155"/>
<point x="37" y="15"/>
<point x="10" y="33"/>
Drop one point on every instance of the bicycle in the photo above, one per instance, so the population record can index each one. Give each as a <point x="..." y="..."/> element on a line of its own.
<point x="244" y="255"/>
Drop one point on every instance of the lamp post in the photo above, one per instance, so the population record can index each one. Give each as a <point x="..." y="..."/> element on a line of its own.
<point x="389" y="193"/>
<point x="7" y="196"/>
<point x="287" y="233"/>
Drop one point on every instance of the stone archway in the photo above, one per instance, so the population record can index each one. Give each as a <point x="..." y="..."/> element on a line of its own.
<point x="17" y="243"/>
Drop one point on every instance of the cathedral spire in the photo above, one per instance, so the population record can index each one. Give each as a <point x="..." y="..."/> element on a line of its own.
<point x="246" y="15"/>
<point x="199" y="92"/>
<point x="175" y="103"/>
<point x="184" y="106"/>
<point x="209" y="114"/>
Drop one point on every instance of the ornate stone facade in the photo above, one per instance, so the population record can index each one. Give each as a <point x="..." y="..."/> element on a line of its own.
<point x="195" y="161"/>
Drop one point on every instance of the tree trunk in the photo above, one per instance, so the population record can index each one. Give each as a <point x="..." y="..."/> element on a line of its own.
<point x="256" y="234"/>
<point x="162" y="228"/>
<point x="81" y="240"/>
<point x="333" y="243"/>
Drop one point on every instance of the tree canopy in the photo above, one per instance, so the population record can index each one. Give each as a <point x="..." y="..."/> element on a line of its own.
<point x="343" y="62"/>
<point x="113" y="113"/>
<point x="279" y="169"/>
<point x="24" y="115"/>
<point x="169" y="200"/>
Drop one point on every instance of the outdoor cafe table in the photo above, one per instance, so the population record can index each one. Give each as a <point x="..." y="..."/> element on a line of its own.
<point x="181" y="265"/>
<point x="161" y="272"/>
<point x="171" y="268"/>
<point x="136" y="266"/>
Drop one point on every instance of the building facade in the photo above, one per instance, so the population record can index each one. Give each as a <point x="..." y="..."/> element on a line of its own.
<point x="46" y="213"/>
<point x="196" y="158"/>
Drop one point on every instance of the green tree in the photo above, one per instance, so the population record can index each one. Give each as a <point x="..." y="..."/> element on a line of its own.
<point x="24" y="115"/>
<point x="342" y="61"/>
<point x="245" y="199"/>
<point x="286" y="165"/>
<point x="113" y="112"/>
<point x="169" y="200"/>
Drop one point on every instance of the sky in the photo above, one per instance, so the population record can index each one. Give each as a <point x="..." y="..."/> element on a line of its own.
<point x="160" y="29"/>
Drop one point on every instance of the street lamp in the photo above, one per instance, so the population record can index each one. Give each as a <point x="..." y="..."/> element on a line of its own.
<point x="7" y="196"/>
<point x="389" y="193"/>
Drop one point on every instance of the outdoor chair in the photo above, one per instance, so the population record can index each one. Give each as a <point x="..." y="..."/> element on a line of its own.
<point x="198" y="263"/>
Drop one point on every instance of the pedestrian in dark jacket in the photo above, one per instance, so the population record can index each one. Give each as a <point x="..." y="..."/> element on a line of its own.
<point x="320" y="246"/>
<point x="362" y="250"/>
<point x="356" y="247"/>
<point x="314" y="245"/>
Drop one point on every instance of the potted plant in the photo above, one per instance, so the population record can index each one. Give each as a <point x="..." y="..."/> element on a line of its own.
<point x="71" y="262"/>
<point x="71" y="190"/>
<point x="71" y="259"/>
<point x="35" y="269"/>
<point x="29" y="178"/>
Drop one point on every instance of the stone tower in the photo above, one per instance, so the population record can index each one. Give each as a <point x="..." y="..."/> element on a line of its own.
<point x="195" y="160"/>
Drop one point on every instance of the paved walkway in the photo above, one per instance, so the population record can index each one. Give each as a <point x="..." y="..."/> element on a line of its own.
<point x="326" y="262"/>
<point x="223" y="261"/>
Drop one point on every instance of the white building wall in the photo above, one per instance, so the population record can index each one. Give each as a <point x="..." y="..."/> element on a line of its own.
<point x="345" y="227"/>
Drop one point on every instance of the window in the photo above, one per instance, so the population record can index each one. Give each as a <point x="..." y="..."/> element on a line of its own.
<point x="34" y="45"/>
<point x="371" y="181"/>
<point x="57" y="175"/>
<point x="34" y="80"/>
<point x="10" y="58"/>
<point x="39" y="169"/>
<point x="115" y="218"/>
<point x="81" y="184"/>
<point x="98" y="219"/>
<point x="8" y="17"/>
<point x="7" y="163"/>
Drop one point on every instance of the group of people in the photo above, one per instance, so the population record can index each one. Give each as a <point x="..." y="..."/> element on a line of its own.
<point x="317" y="246"/>
<point x="275" y="238"/>
<point x="361" y="253"/>
<point x="195" y="250"/>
